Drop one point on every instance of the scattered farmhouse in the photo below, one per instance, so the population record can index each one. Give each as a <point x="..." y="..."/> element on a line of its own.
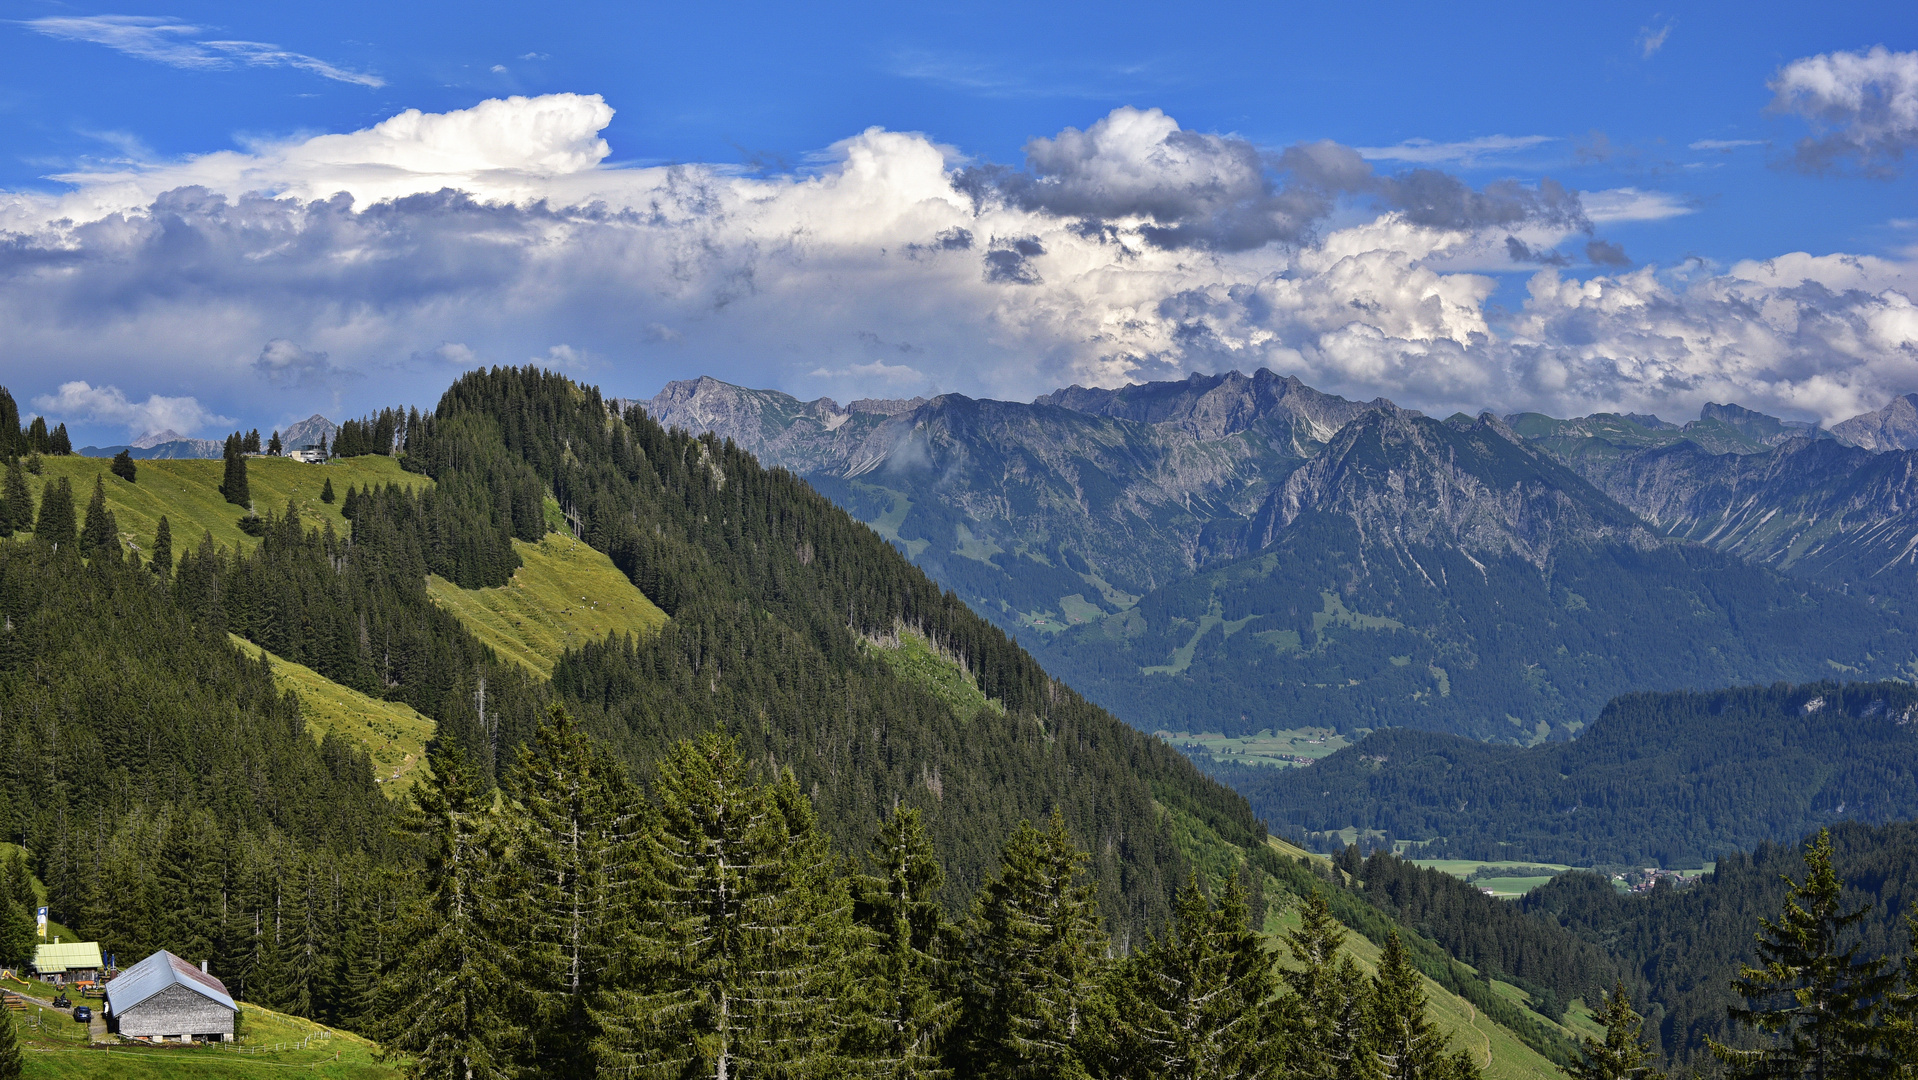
<point x="164" y="997"/>
<point x="308" y="455"/>
<point x="65" y="962"/>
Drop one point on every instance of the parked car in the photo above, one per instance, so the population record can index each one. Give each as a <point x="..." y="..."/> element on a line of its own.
<point x="83" y="1014"/>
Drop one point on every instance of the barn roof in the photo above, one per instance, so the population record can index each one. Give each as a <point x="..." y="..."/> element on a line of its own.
<point x="156" y="973"/>
<point x="66" y="956"/>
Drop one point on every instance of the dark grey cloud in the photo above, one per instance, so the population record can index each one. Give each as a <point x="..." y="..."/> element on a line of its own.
<point x="1522" y="252"/>
<point x="1222" y="193"/>
<point x="1442" y="201"/>
<point x="1009" y="261"/>
<point x="1606" y="253"/>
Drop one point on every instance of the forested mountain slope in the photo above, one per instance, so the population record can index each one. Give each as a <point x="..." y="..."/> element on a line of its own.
<point x="245" y="842"/>
<point x="1679" y="949"/>
<point x="1668" y="779"/>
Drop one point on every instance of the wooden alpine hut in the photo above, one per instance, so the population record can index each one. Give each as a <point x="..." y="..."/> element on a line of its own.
<point x="164" y="997"/>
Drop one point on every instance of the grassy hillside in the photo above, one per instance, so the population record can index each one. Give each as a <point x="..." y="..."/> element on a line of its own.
<point x="270" y="1044"/>
<point x="188" y="493"/>
<point x="566" y="593"/>
<point x="392" y="733"/>
<point x="1498" y="1051"/>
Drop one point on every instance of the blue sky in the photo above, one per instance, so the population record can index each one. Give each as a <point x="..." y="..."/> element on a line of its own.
<point x="1668" y="123"/>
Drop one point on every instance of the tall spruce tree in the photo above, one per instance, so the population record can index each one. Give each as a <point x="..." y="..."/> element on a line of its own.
<point x="56" y="522"/>
<point x="1193" y="1003"/>
<point x="738" y="961"/>
<point x="100" y="534"/>
<point x="326" y="490"/>
<point x="576" y="832"/>
<point x="1815" y="996"/>
<point x="908" y="965"/>
<point x="12" y="1062"/>
<point x="1623" y="1055"/>
<point x="161" y="562"/>
<point x="1325" y="1014"/>
<point x="59" y="442"/>
<point x="124" y="468"/>
<point x="17" y="905"/>
<point x="1405" y="1043"/>
<point x="449" y="992"/>
<point x="234" y="485"/>
<point x="1034" y="950"/>
<point x="16" y="499"/>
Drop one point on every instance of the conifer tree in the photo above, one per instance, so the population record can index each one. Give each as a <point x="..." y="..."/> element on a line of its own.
<point x="1191" y="1004"/>
<point x="449" y="990"/>
<point x="1405" y="1043"/>
<point x="13" y="441"/>
<point x="1814" y="991"/>
<point x="17" y="907"/>
<point x="60" y="443"/>
<point x="273" y="444"/>
<point x="1623" y="1055"/>
<point x="1325" y="1015"/>
<point x="100" y="534"/>
<point x="162" y="559"/>
<point x="251" y="444"/>
<point x="909" y="963"/>
<point x="575" y="831"/>
<point x="123" y="466"/>
<point x="326" y="491"/>
<point x="234" y="485"/>
<point x="1033" y="948"/>
<point x="11" y="1061"/>
<point x="16" y="499"/>
<point x="38" y="441"/>
<point x="737" y="964"/>
<point x="56" y="522"/>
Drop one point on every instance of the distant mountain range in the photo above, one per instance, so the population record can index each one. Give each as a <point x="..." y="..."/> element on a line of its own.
<point x="171" y="444"/>
<point x="1234" y="552"/>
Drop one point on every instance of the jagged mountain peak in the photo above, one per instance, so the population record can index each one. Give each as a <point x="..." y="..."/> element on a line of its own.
<point x="1473" y="483"/>
<point x="1217" y="406"/>
<point x="1894" y="427"/>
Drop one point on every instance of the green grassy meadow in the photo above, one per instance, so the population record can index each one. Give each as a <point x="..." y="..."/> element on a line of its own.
<point x="565" y="595"/>
<point x="913" y="658"/>
<point x="1505" y="887"/>
<point x="270" y="1044"/>
<point x="1498" y="1051"/>
<point x="392" y="733"/>
<point x="187" y="493"/>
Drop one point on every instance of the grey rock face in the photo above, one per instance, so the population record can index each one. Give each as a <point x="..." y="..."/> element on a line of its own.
<point x="1894" y="427"/>
<point x="1813" y="507"/>
<point x="308" y="432"/>
<point x="1407" y="481"/>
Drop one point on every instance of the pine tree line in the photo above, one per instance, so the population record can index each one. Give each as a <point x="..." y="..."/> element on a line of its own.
<point x="704" y="927"/>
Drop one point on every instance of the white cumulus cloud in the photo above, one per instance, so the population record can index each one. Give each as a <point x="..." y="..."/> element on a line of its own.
<point x="1863" y="108"/>
<point x="108" y="405"/>
<point x="1130" y="249"/>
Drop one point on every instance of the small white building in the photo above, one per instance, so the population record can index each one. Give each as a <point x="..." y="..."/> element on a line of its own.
<point x="309" y="455"/>
<point x="164" y="997"/>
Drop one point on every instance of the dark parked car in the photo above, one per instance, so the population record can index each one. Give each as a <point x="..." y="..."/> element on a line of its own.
<point x="83" y="1014"/>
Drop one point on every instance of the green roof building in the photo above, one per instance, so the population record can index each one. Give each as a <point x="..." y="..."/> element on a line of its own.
<point x="69" y="961"/>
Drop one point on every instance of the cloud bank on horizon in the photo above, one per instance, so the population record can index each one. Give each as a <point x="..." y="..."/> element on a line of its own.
<point x="394" y="256"/>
